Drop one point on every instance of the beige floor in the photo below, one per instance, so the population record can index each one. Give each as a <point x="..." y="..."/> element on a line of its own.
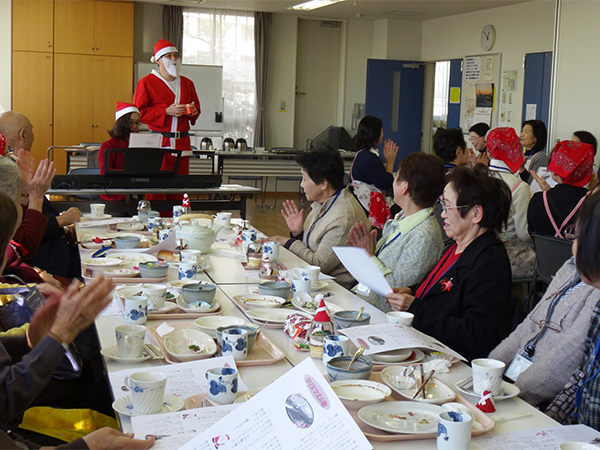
<point x="270" y="221"/>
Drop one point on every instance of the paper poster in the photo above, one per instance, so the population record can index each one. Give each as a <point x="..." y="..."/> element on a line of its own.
<point x="455" y="95"/>
<point x="383" y="337"/>
<point x="359" y="264"/>
<point x="297" y="411"/>
<point x="483" y="115"/>
<point x="183" y="379"/>
<point x="530" y="111"/>
<point x="509" y="81"/>
<point x="487" y="68"/>
<point x="472" y="68"/>
<point x="484" y="94"/>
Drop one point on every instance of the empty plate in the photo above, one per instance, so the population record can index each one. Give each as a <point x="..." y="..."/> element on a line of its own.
<point x="402" y="417"/>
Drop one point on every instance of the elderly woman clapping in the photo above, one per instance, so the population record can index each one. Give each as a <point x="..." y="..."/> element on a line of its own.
<point x="463" y="302"/>
<point x="411" y="244"/>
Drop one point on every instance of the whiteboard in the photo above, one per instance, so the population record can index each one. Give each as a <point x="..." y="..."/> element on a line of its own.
<point x="208" y="81"/>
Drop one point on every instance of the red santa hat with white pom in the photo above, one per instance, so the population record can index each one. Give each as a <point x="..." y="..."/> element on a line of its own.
<point x="161" y="48"/>
<point x="125" y="108"/>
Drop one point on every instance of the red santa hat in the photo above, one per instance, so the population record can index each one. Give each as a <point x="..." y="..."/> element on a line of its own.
<point x="321" y="315"/>
<point x="125" y="108"/>
<point x="2" y="144"/>
<point x="162" y="47"/>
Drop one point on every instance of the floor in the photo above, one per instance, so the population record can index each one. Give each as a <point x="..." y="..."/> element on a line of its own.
<point x="269" y="221"/>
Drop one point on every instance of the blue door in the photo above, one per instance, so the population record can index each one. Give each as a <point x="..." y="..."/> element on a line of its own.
<point x="536" y="88"/>
<point x="453" y="120"/>
<point x="395" y="95"/>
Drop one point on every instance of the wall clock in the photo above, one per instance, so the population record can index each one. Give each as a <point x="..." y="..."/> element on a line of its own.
<point x="488" y="37"/>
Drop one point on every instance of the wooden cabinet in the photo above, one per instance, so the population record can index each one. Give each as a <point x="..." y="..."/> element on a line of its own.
<point x="93" y="28"/>
<point x="32" y="96"/>
<point x="32" y="26"/>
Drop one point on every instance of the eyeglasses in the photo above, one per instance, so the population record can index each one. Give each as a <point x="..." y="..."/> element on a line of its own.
<point x="135" y="123"/>
<point x="441" y="201"/>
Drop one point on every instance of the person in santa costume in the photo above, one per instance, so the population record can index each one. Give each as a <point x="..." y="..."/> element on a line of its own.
<point x="127" y="121"/>
<point x="162" y="97"/>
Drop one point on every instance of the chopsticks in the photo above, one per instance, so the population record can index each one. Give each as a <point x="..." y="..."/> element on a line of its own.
<point x="421" y="390"/>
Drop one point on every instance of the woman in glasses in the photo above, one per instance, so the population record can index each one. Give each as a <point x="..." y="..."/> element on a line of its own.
<point x="464" y="301"/>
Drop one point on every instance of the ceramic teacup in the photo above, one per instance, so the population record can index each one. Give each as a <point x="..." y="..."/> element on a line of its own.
<point x="136" y="309"/>
<point x="130" y="340"/>
<point x="248" y="236"/>
<point x="164" y="234"/>
<point x="147" y="391"/>
<point x="178" y="211"/>
<point x="487" y="372"/>
<point x="400" y="318"/>
<point x="272" y="250"/>
<point x="153" y="223"/>
<point x="222" y="385"/>
<point x="97" y="210"/>
<point x="223" y="219"/>
<point x="333" y="346"/>
<point x="454" y="431"/>
<point x="311" y="272"/>
<point x="234" y="341"/>
<point x="156" y="294"/>
<point x="187" y="270"/>
<point x="301" y="284"/>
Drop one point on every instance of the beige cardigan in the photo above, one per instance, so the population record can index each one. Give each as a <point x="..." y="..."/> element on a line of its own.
<point x="330" y="231"/>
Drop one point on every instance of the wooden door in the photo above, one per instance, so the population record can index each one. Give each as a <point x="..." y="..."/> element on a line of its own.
<point x="32" y="25"/>
<point x="73" y="102"/>
<point x="74" y="27"/>
<point x="113" y="28"/>
<point x="32" y="96"/>
<point x="113" y="83"/>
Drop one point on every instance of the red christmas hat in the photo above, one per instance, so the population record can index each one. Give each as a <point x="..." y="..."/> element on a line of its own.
<point x="161" y="48"/>
<point x="125" y="108"/>
<point x="573" y="162"/>
<point x="321" y="315"/>
<point x="503" y="143"/>
<point x="2" y="144"/>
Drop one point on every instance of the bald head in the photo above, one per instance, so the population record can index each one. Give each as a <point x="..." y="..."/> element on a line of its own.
<point x="17" y="130"/>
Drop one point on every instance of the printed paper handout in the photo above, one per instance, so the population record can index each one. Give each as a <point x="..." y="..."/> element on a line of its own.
<point x="359" y="264"/>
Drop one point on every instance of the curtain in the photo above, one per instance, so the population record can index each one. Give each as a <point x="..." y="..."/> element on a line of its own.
<point x="172" y="26"/>
<point x="226" y="38"/>
<point x="263" y="22"/>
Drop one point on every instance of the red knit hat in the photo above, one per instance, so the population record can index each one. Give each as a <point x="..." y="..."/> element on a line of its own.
<point x="161" y="48"/>
<point x="321" y="315"/>
<point x="573" y="162"/>
<point x="125" y="108"/>
<point x="503" y="144"/>
<point x="2" y="144"/>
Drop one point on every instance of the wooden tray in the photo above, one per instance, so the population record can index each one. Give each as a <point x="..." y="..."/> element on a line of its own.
<point x="264" y="352"/>
<point x="243" y="308"/>
<point x="176" y="312"/>
<point x="375" y="434"/>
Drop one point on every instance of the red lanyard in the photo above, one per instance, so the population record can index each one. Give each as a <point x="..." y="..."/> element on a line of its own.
<point x="438" y="271"/>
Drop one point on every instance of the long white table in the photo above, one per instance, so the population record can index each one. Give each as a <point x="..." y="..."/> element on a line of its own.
<point x="226" y="271"/>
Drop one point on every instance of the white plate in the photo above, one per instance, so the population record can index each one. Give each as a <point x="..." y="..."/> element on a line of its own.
<point x="393" y="356"/>
<point x="355" y="394"/>
<point x="260" y="301"/>
<point x="130" y="226"/>
<point x="507" y="390"/>
<point x="124" y="406"/>
<point x="177" y="285"/>
<point x="111" y="352"/>
<point x="88" y="216"/>
<point x="177" y="344"/>
<point x="102" y="262"/>
<point x="319" y="285"/>
<point x="194" y="309"/>
<point x="402" y="417"/>
<point x="419" y="355"/>
<point x="209" y="324"/>
<point x="131" y="260"/>
<point x="436" y="392"/>
<point x="331" y="307"/>
<point x="272" y="315"/>
<point x="121" y="272"/>
<point x="87" y="241"/>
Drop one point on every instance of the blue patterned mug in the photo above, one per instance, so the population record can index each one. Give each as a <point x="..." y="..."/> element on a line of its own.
<point x="222" y="385"/>
<point x="333" y="346"/>
<point x="136" y="309"/>
<point x="234" y="341"/>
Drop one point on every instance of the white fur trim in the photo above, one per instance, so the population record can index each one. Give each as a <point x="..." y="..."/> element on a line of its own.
<point x="163" y="51"/>
<point x="124" y="111"/>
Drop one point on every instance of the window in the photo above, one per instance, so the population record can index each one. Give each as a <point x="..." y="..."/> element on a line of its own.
<point x="226" y="38"/>
<point x="441" y="92"/>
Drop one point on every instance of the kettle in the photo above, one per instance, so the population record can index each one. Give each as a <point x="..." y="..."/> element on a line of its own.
<point x="241" y="145"/>
<point x="228" y="145"/>
<point x="206" y="144"/>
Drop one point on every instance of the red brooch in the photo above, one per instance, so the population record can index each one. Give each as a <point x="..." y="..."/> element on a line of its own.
<point x="446" y="284"/>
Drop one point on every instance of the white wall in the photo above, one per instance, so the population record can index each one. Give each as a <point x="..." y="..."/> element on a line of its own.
<point x="523" y="28"/>
<point x="6" y="56"/>
<point x="577" y="93"/>
<point x="147" y="30"/>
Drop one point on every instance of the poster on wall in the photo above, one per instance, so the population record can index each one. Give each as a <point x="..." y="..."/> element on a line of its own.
<point x="484" y="95"/>
<point x="473" y="68"/>
<point x="508" y="89"/>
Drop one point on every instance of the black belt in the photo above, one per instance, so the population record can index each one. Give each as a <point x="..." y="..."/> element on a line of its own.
<point x="176" y="135"/>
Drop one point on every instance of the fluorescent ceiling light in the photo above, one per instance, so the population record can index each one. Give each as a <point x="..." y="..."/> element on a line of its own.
<point x="314" y="4"/>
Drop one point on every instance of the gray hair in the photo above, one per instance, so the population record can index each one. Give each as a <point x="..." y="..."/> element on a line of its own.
<point x="10" y="177"/>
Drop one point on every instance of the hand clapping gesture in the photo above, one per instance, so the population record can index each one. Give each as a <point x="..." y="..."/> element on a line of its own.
<point x="359" y="236"/>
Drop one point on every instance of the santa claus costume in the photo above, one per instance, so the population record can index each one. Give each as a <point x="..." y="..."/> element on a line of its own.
<point x="154" y="94"/>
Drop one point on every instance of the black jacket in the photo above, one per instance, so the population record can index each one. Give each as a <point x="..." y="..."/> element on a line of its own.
<point x="470" y="317"/>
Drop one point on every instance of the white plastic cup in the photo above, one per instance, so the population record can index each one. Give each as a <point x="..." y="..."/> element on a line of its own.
<point x="147" y="391"/>
<point x="130" y="340"/>
<point x="487" y="372"/>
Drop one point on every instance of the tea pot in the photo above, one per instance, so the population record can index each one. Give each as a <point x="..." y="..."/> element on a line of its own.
<point x="199" y="237"/>
<point x="206" y="144"/>
<point x="241" y="145"/>
<point x="228" y="144"/>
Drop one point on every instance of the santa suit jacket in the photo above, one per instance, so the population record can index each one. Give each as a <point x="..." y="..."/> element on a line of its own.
<point x="154" y="95"/>
<point x="469" y="317"/>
